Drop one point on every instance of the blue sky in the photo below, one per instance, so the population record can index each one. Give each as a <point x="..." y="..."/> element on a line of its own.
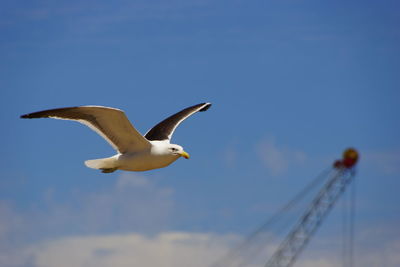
<point x="292" y="83"/>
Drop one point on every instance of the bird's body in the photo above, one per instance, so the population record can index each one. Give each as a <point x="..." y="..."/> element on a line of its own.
<point x="135" y="152"/>
<point x="157" y="156"/>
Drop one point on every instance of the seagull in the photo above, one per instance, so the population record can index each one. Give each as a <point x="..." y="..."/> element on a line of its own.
<point x="135" y="151"/>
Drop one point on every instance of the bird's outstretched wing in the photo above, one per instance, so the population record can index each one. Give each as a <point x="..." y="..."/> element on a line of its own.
<point x="110" y="123"/>
<point x="165" y="129"/>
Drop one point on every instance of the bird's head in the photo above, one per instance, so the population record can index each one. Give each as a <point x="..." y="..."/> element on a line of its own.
<point x="178" y="151"/>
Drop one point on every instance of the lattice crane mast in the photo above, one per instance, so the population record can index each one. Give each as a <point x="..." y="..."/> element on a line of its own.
<point x="295" y="242"/>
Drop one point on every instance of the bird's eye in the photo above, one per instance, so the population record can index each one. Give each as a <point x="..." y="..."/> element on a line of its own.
<point x="174" y="149"/>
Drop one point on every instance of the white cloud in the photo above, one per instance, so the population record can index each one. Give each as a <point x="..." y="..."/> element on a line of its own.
<point x="178" y="249"/>
<point x="278" y="159"/>
<point x="170" y="249"/>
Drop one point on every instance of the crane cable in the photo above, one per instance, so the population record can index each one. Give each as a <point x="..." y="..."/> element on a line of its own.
<point x="348" y="221"/>
<point x="352" y="222"/>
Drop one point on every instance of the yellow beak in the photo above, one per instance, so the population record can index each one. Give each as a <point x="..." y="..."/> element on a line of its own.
<point x="185" y="155"/>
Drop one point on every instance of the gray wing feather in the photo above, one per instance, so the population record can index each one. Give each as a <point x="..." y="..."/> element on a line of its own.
<point x="110" y="123"/>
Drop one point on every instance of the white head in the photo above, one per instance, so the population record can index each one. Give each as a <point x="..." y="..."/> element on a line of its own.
<point x="177" y="150"/>
<point x="164" y="148"/>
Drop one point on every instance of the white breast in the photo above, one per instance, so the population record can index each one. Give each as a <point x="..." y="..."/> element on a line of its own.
<point x="157" y="157"/>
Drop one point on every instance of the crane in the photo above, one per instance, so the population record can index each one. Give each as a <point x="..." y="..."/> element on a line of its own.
<point x="295" y="242"/>
<point x="340" y="177"/>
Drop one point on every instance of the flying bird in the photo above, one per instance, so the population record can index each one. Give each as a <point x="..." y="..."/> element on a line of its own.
<point x="135" y="151"/>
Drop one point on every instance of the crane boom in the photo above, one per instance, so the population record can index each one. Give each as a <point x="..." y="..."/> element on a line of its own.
<point x="319" y="208"/>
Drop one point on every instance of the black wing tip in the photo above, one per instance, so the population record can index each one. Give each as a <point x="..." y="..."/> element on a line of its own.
<point x="34" y="115"/>
<point x="26" y="116"/>
<point x="44" y="113"/>
<point x="205" y="107"/>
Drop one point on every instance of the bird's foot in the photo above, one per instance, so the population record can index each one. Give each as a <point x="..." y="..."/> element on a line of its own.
<point x="108" y="170"/>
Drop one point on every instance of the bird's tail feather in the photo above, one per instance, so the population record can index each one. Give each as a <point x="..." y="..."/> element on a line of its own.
<point x="102" y="164"/>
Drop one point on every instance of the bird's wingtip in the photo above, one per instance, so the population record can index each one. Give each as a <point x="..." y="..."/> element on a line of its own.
<point x="205" y="107"/>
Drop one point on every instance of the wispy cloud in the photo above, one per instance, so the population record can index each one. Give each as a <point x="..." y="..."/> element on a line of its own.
<point x="230" y="154"/>
<point x="134" y="203"/>
<point x="102" y="13"/>
<point x="276" y="158"/>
